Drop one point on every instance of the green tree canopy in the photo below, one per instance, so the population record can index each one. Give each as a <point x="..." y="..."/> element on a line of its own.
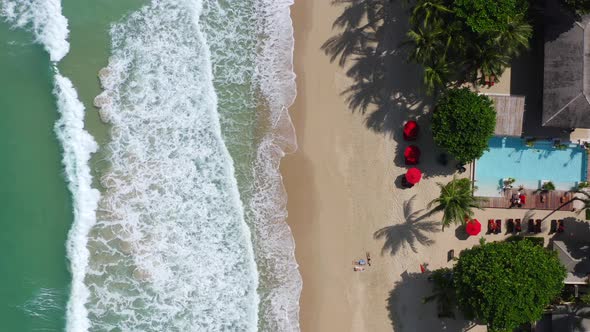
<point x="456" y="201"/>
<point x="485" y="16"/>
<point x="463" y="122"/>
<point x="460" y="41"/>
<point x="507" y="284"/>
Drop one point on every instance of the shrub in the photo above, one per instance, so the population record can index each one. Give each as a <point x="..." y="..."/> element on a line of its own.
<point x="485" y="16"/>
<point x="506" y="284"/>
<point x="463" y="122"/>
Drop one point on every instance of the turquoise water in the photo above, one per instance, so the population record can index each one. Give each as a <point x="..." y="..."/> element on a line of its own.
<point x="510" y="157"/>
<point x="188" y="232"/>
<point x="35" y="208"/>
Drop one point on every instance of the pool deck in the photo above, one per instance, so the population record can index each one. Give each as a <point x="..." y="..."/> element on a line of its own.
<point x="553" y="200"/>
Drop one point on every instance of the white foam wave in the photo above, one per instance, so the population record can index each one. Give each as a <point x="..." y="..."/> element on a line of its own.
<point x="78" y="146"/>
<point x="252" y="51"/>
<point x="171" y="250"/>
<point x="44" y="18"/>
<point x="276" y="246"/>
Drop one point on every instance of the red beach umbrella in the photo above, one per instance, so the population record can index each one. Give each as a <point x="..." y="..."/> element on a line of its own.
<point x="412" y="155"/>
<point x="411" y="130"/>
<point x="413" y="175"/>
<point x="473" y="227"/>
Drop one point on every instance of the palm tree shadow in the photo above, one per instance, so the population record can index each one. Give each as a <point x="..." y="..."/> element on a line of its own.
<point x="383" y="81"/>
<point x="409" y="233"/>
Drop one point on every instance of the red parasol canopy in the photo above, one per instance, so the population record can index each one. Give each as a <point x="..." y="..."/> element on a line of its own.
<point x="411" y="130"/>
<point x="412" y="155"/>
<point x="473" y="227"/>
<point x="413" y="175"/>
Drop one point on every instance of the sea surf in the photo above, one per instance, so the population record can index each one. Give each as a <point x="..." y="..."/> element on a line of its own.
<point x="189" y="232"/>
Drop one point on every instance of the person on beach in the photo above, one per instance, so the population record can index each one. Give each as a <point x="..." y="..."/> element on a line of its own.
<point x="358" y="269"/>
<point x="368" y="258"/>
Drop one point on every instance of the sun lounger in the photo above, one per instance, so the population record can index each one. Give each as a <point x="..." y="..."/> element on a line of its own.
<point x="498" y="226"/>
<point x="510" y="226"/>
<point x="553" y="227"/>
<point x="538" y="226"/>
<point x="518" y="226"/>
<point x="491" y="226"/>
<point x="531" y="228"/>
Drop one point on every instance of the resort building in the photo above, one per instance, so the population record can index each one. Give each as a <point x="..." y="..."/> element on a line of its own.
<point x="543" y="117"/>
<point x="566" y="79"/>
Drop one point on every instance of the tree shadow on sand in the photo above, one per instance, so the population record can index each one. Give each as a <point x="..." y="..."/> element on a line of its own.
<point x="385" y="87"/>
<point x="409" y="233"/>
<point x="372" y="31"/>
<point x="407" y="311"/>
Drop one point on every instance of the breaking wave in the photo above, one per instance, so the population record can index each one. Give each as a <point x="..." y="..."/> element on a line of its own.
<point x="44" y="19"/>
<point x="252" y="54"/>
<point x="171" y="250"/>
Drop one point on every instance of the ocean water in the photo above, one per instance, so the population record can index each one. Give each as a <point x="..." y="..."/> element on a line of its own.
<point x="35" y="212"/>
<point x="188" y="231"/>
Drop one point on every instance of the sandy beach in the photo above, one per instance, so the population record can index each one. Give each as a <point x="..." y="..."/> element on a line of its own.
<point x="345" y="200"/>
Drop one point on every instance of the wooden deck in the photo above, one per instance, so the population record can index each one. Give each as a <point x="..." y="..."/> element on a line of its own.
<point x="552" y="200"/>
<point x="509" y="114"/>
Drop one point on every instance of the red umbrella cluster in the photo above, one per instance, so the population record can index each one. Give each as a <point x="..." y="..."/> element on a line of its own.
<point x="473" y="227"/>
<point x="413" y="176"/>
<point x="411" y="130"/>
<point x="412" y="155"/>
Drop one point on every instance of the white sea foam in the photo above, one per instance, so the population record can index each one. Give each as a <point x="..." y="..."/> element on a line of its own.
<point x="44" y="19"/>
<point x="275" y="248"/>
<point x="252" y="51"/>
<point x="171" y="250"/>
<point x="78" y="146"/>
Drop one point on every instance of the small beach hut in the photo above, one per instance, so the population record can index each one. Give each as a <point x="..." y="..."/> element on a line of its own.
<point x="413" y="175"/>
<point x="473" y="227"/>
<point x="412" y="155"/>
<point x="411" y="130"/>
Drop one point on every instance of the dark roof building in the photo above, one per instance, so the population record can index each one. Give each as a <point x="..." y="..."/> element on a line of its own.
<point x="566" y="80"/>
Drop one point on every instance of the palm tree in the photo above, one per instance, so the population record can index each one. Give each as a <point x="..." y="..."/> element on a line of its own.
<point x="436" y="75"/>
<point x="515" y="38"/>
<point x="426" y="11"/>
<point x="585" y="202"/>
<point x="456" y="201"/>
<point x="426" y="43"/>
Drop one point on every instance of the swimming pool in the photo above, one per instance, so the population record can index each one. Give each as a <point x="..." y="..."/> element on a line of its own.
<point x="510" y="157"/>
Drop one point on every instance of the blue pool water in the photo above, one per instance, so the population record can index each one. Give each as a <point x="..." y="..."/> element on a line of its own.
<point x="510" y="157"/>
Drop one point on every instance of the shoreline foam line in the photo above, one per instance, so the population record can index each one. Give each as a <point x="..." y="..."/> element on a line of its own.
<point x="78" y="146"/>
<point x="276" y="78"/>
<point x="50" y="28"/>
